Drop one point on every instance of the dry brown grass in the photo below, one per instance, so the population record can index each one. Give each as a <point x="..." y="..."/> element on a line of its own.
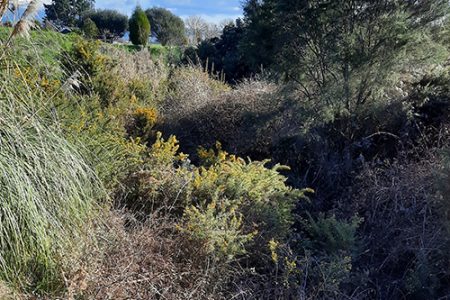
<point x="247" y="119"/>
<point x="147" y="261"/>
<point x="405" y="230"/>
<point x="191" y="89"/>
<point x="5" y="292"/>
<point x="140" y="66"/>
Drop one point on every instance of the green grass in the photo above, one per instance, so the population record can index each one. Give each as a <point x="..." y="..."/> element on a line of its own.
<point x="173" y="53"/>
<point x="49" y="194"/>
<point x="43" y="45"/>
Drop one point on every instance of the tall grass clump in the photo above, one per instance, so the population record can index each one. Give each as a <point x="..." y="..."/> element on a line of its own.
<point x="48" y="197"/>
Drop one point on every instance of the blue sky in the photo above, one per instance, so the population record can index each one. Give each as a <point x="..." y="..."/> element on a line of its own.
<point x="213" y="11"/>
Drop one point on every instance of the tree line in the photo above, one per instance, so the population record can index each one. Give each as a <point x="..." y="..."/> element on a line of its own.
<point x="109" y="25"/>
<point x="314" y="42"/>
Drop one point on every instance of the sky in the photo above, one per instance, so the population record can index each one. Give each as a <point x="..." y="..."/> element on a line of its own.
<point x="212" y="11"/>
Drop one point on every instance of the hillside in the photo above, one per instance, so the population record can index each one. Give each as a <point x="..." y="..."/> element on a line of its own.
<point x="176" y="172"/>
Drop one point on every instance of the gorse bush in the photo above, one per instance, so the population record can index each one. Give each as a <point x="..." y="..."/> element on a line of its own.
<point x="258" y="192"/>
<point x="115" y="76"/>
<point x="84" y="57"/>
<point x="116" y="114"/>
<point x="103" y="135"/>
<point x="218" y="229"/>
<point x="87" y="69"/>
<point x="227" y="204"/>
<point x="143" y="119"/>
<point x="158" y="185"/>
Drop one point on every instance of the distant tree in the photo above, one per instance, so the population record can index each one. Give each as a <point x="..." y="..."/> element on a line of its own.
<point x="89" y="28"/>
<point x="222" y="54"/>
<point x="166" y="27"/>
<point x="139" y="27"/>
<point x="110" y="23"/>
<point x="212" y="30"/>
<point x="224" y="23"/>
<point x="196" y="27"/>
<point x="68" y="12"/>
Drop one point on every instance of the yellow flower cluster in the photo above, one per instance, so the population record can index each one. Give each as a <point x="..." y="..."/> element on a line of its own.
<point x="166" y="152"/>
<point x="273" y="246"/>
<point x="33" y="80"/>
<point x="88" y="51"/>
<point x="215" y="155"/>
<point x="147" y="114"/>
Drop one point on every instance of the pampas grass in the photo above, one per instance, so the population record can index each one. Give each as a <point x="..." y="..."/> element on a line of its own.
<point x="48" y="192"/>
<point x="3" y="7"/>
<point x="48" y="195"/>
<point x="26" y="21"/>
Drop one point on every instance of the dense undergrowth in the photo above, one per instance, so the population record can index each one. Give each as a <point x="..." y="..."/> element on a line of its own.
<point x="125" y="176"/>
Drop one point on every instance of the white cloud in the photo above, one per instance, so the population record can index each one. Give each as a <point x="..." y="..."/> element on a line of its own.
<point x="216" y="18"/>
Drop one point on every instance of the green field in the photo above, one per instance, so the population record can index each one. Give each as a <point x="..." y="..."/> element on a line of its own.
<point x="158" y="50"/>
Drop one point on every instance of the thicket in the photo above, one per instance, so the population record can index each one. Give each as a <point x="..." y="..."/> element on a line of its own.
<point x="157" y="179"/>
<point x="349" y="115"/>
<point x="106" y="102"/>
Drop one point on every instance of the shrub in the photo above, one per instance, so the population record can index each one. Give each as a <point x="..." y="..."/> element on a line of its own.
<point x="139" y="27"/>
<point x="251" y="203"/>
<point x="82" y="63"/>
<point x="142" y="121"/>
<point x="405" y="229"/>
<point x="116" y="116"/>
<point x="102" y="132"/>
<point x="190" y="89"/>
<point x="245" y="119"/>
<point x="115" y="75"/>
<point x="158" y="185"/>
<point x="330" y="235"/>
<point x="89" y="28"/>
<point x="224" y="202"/>
<point x="146" y="77"/>
<point x="92" y="71"/>
<point x="218" y="229"/>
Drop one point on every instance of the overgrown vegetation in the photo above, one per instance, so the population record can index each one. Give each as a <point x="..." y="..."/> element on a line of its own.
<point x="323" y="175"/>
